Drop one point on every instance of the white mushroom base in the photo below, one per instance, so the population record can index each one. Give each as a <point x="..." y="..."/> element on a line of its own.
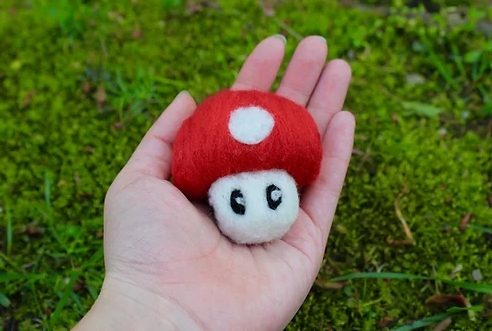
<point x="255" y="207"/>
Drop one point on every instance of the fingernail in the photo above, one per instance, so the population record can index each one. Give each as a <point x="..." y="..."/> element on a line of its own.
<point x="178" y="96"/>
<point x="322" y="38"/>
<point x="281" y="37"/>
<point x="181" y="93"/>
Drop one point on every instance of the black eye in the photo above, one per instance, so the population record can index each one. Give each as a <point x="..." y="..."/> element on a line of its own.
<point x="273" y="196"/>
<point x="238" y="204"/>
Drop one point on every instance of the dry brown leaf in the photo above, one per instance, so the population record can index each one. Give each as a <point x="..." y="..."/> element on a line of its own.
<point x="137" y="34"/>
<point x="85" y="196"/>
<point x="384" y="321"/>
<point x="330" y="285"/>
<point x="447" y="300"/>
<point x="408" y="233"/>
<point x="487" y="305"/>
<point x="28" y="98"/>
<point x="86" y="87"/>
<point x="79" y="285"/>
<point x="101" y="95"/>
<point x="117" y="126"/>
<point x="32" y="229"/>
<point x="76" y="178"/>
<point x="443" y="325"/>
<point x="465" y="221"/>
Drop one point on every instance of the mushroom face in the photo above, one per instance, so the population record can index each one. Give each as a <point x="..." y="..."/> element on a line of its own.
<point x="255" y="207"/>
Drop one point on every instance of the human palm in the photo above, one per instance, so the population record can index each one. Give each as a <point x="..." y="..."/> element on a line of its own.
<point x="162" y="246"/>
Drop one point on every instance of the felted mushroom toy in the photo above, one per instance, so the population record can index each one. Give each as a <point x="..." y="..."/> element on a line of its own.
<point x="248" y="153"/>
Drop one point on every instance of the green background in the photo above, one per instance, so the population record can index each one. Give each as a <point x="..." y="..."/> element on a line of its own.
<point x="81" y="81"/>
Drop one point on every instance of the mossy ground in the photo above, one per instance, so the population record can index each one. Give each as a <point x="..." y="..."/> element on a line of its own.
<point x="80" y="82"/>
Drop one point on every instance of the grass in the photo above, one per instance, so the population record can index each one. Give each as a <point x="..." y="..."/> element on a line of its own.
<point x="478" y="288"/>
<point x="81" y="81"/>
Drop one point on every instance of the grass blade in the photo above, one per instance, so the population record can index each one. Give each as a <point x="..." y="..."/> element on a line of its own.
<point x="423" y="322"/>
<point x="77" y="301"/>
<point x="478" y="308"/>
<point x="49" y="210"/>
<point x="378" y="275"/>
<point x="47" y="189"/>
<point x="480" y="228"/>
<point x="10" y="277"/>
<point x="481" y="288"/>
<point x="74" y="275"/>
<point x="8" y="216"/>
<point x="94" y="259"/>
<point x="440" y="65"/>
<point x="4" y="301"/>
<point x="422" y="109"/>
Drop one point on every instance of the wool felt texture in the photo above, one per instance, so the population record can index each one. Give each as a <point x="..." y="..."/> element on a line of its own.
<point x="255" y="207"/>
<point x="221" y="138"/>
<point x="251" y="125"/>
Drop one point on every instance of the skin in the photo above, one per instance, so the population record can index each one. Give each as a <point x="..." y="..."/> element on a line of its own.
<point x="167" y="265"/>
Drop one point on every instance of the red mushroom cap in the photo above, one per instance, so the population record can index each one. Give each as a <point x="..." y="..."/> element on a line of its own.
<point x="205" y="150"/>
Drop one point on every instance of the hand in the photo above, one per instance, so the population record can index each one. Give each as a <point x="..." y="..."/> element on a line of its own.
<point x="165" y="259"/>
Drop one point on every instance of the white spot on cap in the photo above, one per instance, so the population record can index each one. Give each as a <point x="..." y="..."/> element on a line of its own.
<point x="251" y="125"/>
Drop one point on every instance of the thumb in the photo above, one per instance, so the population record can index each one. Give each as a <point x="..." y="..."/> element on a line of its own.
<point x="154" y="153"/>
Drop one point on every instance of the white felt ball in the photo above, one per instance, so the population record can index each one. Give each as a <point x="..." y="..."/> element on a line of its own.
<point x="255" y="207"/>
<point x="251" y="125"/>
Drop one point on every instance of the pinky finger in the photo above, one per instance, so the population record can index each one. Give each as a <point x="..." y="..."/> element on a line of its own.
<point x="320" y="199"/>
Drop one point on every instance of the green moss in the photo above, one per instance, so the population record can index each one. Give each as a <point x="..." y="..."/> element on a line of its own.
<point x="61" y="149"/>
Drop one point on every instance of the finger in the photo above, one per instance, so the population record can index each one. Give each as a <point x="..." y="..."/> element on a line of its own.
<point x="330" y="92"/>
<point x="305" y="243"/>
<point x="320" y="200"/>
<point x="261" y="67"/>
<point x="154" y="153"/>
<point x="304" y="70"/>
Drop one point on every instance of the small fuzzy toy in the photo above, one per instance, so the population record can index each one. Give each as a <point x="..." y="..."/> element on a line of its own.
<point x="248" y="153"/>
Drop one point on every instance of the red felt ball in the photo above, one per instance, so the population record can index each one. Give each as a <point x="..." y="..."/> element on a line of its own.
<point x="216" y="141"/>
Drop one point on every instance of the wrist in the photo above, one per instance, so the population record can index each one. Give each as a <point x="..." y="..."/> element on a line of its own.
<point x="121" y="306"/>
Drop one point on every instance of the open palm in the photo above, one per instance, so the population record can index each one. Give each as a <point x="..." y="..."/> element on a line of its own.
<point x="159" y="243"/>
